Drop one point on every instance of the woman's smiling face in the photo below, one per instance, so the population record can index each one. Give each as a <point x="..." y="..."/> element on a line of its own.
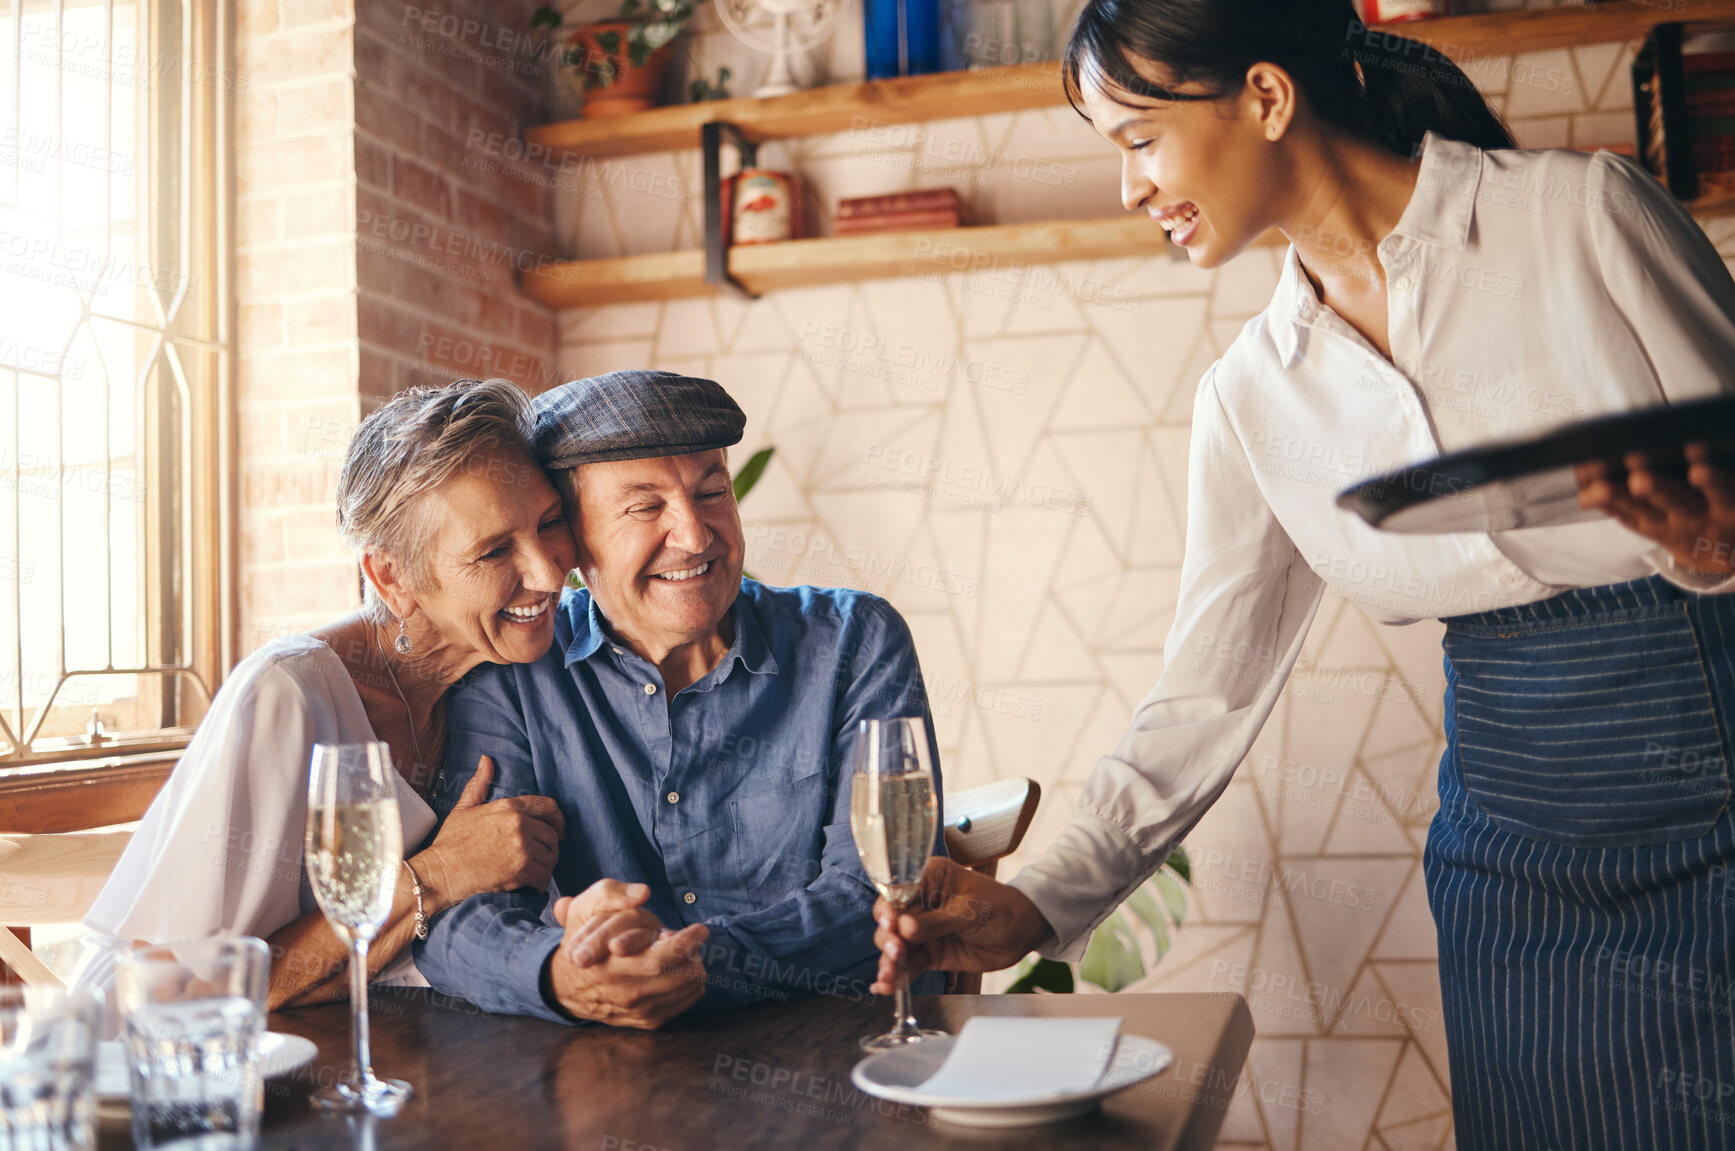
<point x="498" y="551"/>
<point x="1204" y="169"/>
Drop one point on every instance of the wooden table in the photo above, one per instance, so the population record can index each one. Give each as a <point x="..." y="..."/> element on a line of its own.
<point x="765" y="1077"/>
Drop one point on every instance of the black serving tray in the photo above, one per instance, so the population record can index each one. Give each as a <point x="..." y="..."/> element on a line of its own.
<point x="1530" y="483"/>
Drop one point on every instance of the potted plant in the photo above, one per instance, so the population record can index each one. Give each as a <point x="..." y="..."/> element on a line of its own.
<point x="1115" y="955"/>
<point x="618" y="64"/>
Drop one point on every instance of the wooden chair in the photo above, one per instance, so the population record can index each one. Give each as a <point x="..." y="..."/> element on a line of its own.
<point x="984" y="825"/>
<point x="50" y="879"/>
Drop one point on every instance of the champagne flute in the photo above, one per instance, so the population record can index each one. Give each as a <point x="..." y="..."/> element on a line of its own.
<point x="893" y="814"/>
<point x="355" y="846"/>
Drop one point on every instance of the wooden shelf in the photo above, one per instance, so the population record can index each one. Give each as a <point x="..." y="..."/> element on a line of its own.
<point x="808" y="263"/>
<point x="1539" y="29"/>
<point x="816" y="111"/>
<point x="994" y="251"/>
<point x="1711" y="207"/>
<point x="812" y="112"/>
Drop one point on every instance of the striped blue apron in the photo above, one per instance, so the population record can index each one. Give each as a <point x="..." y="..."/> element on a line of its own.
<point x="1581" y="872"/>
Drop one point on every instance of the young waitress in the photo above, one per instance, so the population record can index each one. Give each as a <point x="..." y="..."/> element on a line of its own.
<point x="1443" y="290"/>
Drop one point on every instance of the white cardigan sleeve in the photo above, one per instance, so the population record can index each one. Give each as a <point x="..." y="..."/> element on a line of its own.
<point x="1247" y="599"/>
<point x="220" y="848"/>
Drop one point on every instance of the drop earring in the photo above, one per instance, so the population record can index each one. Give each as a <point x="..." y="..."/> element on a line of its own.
<point x="402" y="644"/>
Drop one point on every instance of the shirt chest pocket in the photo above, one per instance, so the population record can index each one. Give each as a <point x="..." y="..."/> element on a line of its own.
<point x="777" y="832"/>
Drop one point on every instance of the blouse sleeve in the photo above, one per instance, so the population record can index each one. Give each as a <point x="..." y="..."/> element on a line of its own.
<point x="1667" y="280"/>
<point x="1246" y="601"/>
<point x="220" y="847"/>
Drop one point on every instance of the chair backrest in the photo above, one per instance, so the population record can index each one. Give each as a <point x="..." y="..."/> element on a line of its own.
<point x="986" y="823"/>
<point x="50" y="879"/>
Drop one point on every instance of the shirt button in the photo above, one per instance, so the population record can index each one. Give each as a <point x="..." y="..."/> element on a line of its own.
<point x="617" y="651"/>
<point x="689" y="898"/>
<point x="650" y="689"/>
<point x="674" y="797"/>
<point x="1509" y="578"/>
<point x="1402" y="283"/>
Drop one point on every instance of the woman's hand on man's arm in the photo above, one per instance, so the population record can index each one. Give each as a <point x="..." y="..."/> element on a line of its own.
<point x="484" y="846"/>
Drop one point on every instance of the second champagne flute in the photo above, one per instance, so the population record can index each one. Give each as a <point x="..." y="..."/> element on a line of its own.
<point x="893" y="814"/>
<point x="355" y="846"/>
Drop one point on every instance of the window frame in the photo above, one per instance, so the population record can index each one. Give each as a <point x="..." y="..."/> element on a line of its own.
<point x="44" y="784"/>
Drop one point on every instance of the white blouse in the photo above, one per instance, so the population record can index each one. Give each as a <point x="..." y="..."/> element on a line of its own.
<point x="1525" y="290"/>
<point x="220" y="849"/>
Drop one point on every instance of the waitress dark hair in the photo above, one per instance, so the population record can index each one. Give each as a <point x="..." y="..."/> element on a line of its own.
<point x="1402" y="89"/>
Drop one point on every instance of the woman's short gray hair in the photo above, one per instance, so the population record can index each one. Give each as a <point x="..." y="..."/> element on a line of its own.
<point x="413" y="443"/>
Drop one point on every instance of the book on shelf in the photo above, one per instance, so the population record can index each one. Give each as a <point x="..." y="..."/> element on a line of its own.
<point x="899" y="222"/>
<point x="1714" y="153"/>
<point x="1717" y="102"/>
<point x="1699" y="63"/>
<point x="925" y="200"/>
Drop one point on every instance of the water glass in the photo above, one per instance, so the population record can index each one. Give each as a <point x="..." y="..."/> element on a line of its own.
<point x="193" y="1016"/>
<point x="48" y="1068"/>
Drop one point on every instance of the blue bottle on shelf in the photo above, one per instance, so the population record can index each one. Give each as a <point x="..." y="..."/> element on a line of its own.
<point x="903" y="37"/>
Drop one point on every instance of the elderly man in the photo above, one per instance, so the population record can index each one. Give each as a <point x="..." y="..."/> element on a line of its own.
<point x="696" y="729"/>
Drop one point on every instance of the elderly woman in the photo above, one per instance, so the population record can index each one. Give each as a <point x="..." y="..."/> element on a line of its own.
<point x="463" y="548"/>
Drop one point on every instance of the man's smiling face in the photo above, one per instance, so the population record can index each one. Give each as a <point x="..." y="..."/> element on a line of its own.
<point x="660" y="546"/>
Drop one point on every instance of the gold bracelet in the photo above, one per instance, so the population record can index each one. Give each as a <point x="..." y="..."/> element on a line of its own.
<point x="416" y="886"/>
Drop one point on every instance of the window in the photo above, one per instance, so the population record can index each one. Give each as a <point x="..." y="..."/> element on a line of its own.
<point x="114" y="359"/>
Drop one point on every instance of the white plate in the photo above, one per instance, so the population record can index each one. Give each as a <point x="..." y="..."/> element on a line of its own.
<point x="898" y="1075"/>
<point x="279" y="1053"/>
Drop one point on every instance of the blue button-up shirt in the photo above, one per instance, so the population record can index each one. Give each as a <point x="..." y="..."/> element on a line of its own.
<point x="730" y="800"/>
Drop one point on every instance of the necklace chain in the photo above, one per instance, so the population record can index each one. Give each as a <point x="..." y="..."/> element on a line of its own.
<point x="409" y="716"/>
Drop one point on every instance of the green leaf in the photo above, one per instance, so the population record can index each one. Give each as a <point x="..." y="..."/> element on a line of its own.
<point x="1174" y="898"/>
<point x="545" y="17"/>
<point x="1179" y="863"/>
<point x="1112" y="959"/>
<point x="628" y="7"/>
<point x="1039" y="974"/>
<point x="753" y="468"/>
<point x="609" y="42"/>
<point x="1141" y="904"/>
<point x="572" y="580"/>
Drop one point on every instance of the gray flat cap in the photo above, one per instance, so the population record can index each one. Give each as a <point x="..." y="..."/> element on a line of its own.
<point x="633" y="415"/>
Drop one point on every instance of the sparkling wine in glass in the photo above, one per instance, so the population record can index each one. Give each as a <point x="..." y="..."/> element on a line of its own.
<point x="355" y="847"/>
<point x="893" y="814"/>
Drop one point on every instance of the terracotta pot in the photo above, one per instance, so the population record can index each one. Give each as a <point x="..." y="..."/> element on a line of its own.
<point x="632" y="89"/>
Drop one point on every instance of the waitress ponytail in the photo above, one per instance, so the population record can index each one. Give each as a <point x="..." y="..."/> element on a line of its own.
<point x="1409" y="89"/>
<point x="1361" y="80"/>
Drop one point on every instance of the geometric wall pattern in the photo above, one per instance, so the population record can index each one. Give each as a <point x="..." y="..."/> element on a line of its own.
<point x="1003" y="456"/>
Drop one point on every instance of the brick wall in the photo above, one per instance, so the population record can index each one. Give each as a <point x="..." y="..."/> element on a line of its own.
<point x="295" y="288"/>
<point x="445" y="220"/>
<point x="378" y="246"/>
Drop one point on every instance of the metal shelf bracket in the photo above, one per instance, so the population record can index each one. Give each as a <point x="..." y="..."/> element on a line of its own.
<point x="711" y="137"/>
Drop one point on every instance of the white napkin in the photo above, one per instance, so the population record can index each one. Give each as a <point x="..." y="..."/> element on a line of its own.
<point x="1000" y="1057"/>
